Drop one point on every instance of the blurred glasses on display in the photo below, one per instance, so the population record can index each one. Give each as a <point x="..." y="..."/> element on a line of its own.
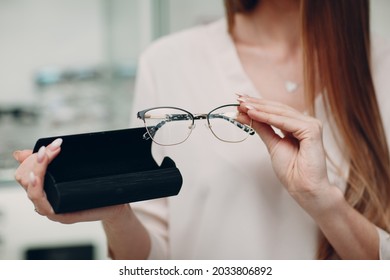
<point x="169" y="126"/>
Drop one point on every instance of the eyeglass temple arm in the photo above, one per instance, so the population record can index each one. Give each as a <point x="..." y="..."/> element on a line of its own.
<point x="180" y="117"/>
<point x="244" y="127"/>
<point x="167" y="118"/>
<point x="152" y="130"/>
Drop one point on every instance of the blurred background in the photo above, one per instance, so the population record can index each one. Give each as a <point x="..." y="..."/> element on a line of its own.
<point x="68" y="66"/>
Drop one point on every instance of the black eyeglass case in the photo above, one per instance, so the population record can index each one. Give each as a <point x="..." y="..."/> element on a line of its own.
<point x="106" y="168"/>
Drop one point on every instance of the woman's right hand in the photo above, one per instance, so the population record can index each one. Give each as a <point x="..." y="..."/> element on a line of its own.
<point x="30" y="175"/>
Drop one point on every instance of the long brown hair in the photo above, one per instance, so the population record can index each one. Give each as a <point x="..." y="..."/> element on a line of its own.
<point x="337" y="59"/>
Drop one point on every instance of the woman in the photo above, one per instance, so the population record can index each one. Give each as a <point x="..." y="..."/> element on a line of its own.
<point x="305" y="69"/>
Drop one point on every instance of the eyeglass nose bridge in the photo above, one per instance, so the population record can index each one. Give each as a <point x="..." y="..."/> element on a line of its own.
<point x="197" y="117"/>
<point x="200" y="116"/>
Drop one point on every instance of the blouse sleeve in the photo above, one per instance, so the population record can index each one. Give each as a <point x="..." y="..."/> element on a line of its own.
<point x="152" y="213"/>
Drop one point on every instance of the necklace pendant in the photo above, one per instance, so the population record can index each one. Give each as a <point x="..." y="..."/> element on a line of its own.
<point x="291" y="86"/>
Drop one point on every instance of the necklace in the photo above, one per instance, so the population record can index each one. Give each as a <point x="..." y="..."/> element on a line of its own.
<point x="289" y="85"/>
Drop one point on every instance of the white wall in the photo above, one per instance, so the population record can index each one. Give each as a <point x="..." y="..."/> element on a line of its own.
<point x="184" y="14"/>
<point x="128" y="28"/>
<point x="380" y="17"/>
<point x="36" y="33"/>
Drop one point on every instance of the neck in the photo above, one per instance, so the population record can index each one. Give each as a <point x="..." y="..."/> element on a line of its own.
<point x="273" y="24"/>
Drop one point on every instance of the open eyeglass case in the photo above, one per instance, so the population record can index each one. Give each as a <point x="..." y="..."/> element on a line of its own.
<point x="106" y="168"/>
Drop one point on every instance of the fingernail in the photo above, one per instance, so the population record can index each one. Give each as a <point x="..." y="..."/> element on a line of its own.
<point x="55" y="144"/>
<point x="241" y="99"/>
<point x="32" y="178"/>
<point x="249" y="107"/>
<point x="16" y="155"/>
<point x="242" y="95"/>
<point x="41" y="154"/>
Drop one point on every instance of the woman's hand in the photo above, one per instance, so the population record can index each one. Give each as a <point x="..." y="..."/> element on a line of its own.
<point x="30" y="175"/>
<point x="299" y="161"/>
<point x="126" y="236"/>
<point x="297" y="153"/>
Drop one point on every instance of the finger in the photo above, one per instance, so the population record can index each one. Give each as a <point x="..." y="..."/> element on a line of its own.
<point x="241" y="95"/>
<point x="243" y="118"/>
<point x="279" y="121"/>
<point x="23" y="170"/>
<point x="55" y="144"/>
<point x="37" y="195"/>
<point x="277" y="109"/>
<point x="37" y="163"/>
<point x="265" y="103"/>
<point x="35" y="189"/>
<point x="267" y="134"/>
<point x="46" y="155"/>
<point x="269" y="106"/>
<point x="300" y="129"/>
<point x="20" y="156"/>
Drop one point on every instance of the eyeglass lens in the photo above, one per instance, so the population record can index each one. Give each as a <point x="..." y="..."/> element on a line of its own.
<point x="167" y="126"/>
<point x="224" y="125"/>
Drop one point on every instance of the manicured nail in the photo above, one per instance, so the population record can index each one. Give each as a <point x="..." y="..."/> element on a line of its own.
<point x="41" y="154"/>
<point x="242" y="95"/>
<point x="241" y="99"/>
<point x="32" y="178"/>
<point x="55" y="144"/>
<point x="16" y="155"/>
<point x="249" y="107"/>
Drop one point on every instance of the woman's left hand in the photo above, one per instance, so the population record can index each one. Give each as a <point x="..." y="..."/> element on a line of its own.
<point x="298" y="156"/>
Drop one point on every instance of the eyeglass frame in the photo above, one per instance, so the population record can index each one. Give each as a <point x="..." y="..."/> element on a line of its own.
<point x="151" y="131"/>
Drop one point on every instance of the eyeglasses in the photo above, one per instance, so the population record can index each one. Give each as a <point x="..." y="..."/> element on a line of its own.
<point x="169" y="126"/>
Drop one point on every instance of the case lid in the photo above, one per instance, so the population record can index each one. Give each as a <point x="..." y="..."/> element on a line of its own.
<point x="100" y="154"/>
